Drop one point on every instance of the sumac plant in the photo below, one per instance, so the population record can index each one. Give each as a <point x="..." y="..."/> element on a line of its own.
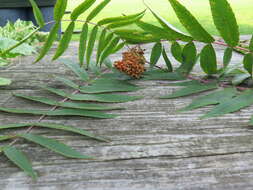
<point x="227" y="86"/>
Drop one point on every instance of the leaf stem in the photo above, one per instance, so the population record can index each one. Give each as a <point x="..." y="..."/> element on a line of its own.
<point x="236" y="47"/>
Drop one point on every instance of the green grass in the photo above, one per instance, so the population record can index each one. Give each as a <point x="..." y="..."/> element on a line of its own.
<point x="200" y="8"/>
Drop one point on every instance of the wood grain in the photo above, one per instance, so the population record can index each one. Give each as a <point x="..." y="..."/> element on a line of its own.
<point x="153" y="147"/>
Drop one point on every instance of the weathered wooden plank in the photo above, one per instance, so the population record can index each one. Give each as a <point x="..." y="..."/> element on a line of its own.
<point x="153" y="146"/>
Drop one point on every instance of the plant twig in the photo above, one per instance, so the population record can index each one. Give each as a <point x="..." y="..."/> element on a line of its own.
<point x="236" y="47"/>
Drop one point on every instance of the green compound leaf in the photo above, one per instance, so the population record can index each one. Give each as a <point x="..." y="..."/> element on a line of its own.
<point x="211" y="99"/>
<point x="167" y="61"/>
<point x="118" y="47"/>
<point x="109" y="49"/>
<point x="248" y="63"/>
<point x="50" y="40"/>
<point x="225" y="21"/>
<point x="162" y="75"/>
<point x="83" y="43"/>
<point x="191" y="23"/>
<point x="156" y="31"/>
<point x="124" y="23"/>
<point x="20" y="160"/>
<point x="74" y="105"/>
<point x="60" y="112"/>
<point x="79" y="71"/>
<point x="172" y="31"/>
<point x="120" y="18"/>
<point x="37" y="14"/>
<point x="106" y="98"/>
<point x="191" y="89"/>
<point x="208" y="60"/>
<point x="67" y="82"/>
<point x="97" y="10"/>
<point x="91" y="44"/>
<point x="155" y="54"/>
<point x="243" y="100"/>
<point x="64" y="42"/>
<point x="176" y="51"/>
<point x="53" y="126"/>
<point x="135" y="36"/>
<point x="104" y="85"/>
<point x="54" y="146"/>
<point x="101" y="44"/>
<point x="227" y="56"/>
<point x="80" y="9"/>
<point x="59" y="10"/>
<point x="189" y="57"/>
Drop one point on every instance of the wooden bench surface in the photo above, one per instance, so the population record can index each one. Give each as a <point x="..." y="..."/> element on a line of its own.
<point x="153" y="147"/>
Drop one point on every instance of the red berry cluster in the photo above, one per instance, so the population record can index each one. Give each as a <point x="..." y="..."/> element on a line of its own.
<point x="132" y="63"/>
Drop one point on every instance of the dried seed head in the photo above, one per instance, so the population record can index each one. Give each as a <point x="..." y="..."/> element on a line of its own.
<point x="132" y="63"/>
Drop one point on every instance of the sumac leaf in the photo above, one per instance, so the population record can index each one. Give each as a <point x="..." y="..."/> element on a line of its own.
<point x="172" y="31"/>
<point x="91" y="44"/>
<point x="120" y="18"/>
<point x="60" y="112"/>
<point x="243" y="100"/>
<point x="124" y="23"/>
<point x="208" y="60"/>
<point x="83" y="43"/>
<point x="103" y="85"/>
<point x="211" y="99"/>
<point x="118" y="47"/>
<point x="79" y="71"/>
<point x="101" y="44"/>
<point x="107" y="98"/>
<point x="59" y="10"/>
<point x="54" y="146"/>
<point x="155" y="30"/>
<point x="167" y="60"/>
<point x="80" y="9"/>
<point x="135" y="36"/>
<point x="227" y="57"/>
<point x="155" y="54"/>
<point x="37" y="14"/>
<point x="248" y="63"/>
<point x="20" y="160"/>
<point x="225" y="21"/>
<point x="189" y="56"/>
<point x="49" y="42"/>
<point x="54" y="126"/>
<point x="64" y="43"/>
<point x="97" y="10"/>
<point x="176" y="51"/>
<point x="191" y="23"/>
<point x="74" y="105"/>
<point x="191" y="89"/>
<point x="109" y="49"/>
